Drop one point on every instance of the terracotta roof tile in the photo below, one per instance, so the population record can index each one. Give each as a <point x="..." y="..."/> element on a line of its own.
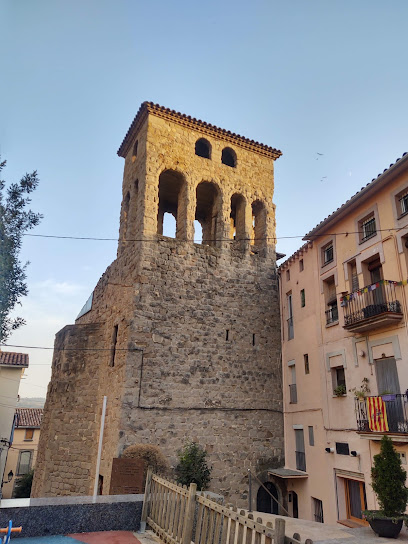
<point x="29" y="417"/>
<point x="192" y="122"/>
<point x="13" y="359"/>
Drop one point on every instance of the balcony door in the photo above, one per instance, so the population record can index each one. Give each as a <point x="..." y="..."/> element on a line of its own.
<point x="300" y="450"/>
<point x="388" y="383"/>
<point x="376" y="276"/>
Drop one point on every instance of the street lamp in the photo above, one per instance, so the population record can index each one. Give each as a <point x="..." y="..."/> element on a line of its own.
<point x="9" y="478"/>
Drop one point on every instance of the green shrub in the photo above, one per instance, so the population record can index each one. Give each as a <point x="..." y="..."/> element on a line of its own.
<point x="192" y="466"/>
<point x="388" y="480"/>
<point x="22" y="489"/>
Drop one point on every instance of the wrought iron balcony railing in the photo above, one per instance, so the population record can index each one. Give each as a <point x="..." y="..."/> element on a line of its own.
<point x="389" y="416"/>
<point x="371" y="306"/>
<point x="301" y="460"/>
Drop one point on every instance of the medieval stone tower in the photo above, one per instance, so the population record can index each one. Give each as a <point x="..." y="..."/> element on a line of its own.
<point x="182" y="337"/>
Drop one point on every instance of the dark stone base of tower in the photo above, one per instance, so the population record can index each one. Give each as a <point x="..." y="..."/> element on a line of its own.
<point x="183" y="338"/>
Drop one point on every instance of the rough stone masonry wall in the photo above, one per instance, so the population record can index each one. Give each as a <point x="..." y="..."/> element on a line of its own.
<point x="195" y="383"/>
<point x="175" y="301"/>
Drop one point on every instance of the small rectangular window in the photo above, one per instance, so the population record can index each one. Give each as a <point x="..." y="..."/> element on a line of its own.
<point x="306" y="360"/>
<point x="29" y="434"/>
<point x="114" y="340"/>
<point x="342" y="448"/>
<point x="302" y="298"/>
<point x="311" y="436"/>
<point x="367" y="228"/>
<point x="24" y="462"/>
<point x="339" y="381"/>
<point x="404" y="203"/>
<point x="287" y="275"/>
<point x="301" y="266"/>
<point x="328" y="253"/>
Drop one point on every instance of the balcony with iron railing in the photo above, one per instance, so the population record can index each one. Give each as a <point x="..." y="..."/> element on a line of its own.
<point x="389" y="415"/>
<point x="372" y="307"/>
<point x="300" y="460"/>
<point x="292" y="393"/>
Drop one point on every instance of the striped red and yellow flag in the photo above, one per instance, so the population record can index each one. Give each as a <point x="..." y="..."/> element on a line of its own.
<point x="377" y="414"/>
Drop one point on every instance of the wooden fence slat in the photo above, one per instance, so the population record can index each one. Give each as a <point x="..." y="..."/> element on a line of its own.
<point x="180" y="521"/>
<point x="249" y="532"/>
<point x="232" y="527"/>
<point x="279" y="531"/>
<point x="146" y="501"/>
<point x="203" y="538"/>
<point x="189" y="515"/>
<point x="217" y="527"/>
<point x="268" y="538"/>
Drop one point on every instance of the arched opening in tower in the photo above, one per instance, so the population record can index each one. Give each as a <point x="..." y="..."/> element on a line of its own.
<point x="208" y="212"/>
<point x="237" y="215"/>
<point x="172" y="202"/>
<point x="258" y="224"/>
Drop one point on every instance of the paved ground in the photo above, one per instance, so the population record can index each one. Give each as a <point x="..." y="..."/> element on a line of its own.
<point x="332" y="534"/>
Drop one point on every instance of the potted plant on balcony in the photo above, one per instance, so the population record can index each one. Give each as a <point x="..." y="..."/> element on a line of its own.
<point x="388" y="482"/>
<point x="361" y="393"/>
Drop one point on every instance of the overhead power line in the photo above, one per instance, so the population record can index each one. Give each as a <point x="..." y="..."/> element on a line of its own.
<point x="158" y="240"/>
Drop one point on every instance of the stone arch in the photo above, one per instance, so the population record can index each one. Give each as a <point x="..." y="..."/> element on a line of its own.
<point x="237" y="215"/>
<point x="229" y="157"/>
<point x="264" y="501"/>
<point x="172" y="199"/>
<point x="208" y="212"/>
<point x="203" y="148"/>
<point x="259" y="231"/>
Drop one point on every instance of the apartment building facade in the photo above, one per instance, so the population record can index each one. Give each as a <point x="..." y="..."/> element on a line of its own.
<point x="345" y="351"/>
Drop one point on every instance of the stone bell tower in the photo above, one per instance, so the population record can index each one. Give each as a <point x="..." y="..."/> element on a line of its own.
<point x="182" y="334"/>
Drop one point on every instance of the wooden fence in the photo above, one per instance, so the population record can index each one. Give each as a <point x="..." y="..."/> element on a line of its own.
<point x="181" y="515"/>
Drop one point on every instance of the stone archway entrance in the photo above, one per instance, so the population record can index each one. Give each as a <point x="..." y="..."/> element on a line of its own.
<point x="264" y="501"/>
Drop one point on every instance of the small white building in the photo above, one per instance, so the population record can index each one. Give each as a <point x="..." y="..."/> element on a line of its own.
<point x="12" y="366"/>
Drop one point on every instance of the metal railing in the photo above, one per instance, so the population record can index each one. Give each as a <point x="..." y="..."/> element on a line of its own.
<point x="300" y="460"/>
<point x="396" y="408"/>
<point x="332" y="315"/>
<point x="293" y="393"/>
<point x="379" y="298"/>
<point x="291" y="332"/>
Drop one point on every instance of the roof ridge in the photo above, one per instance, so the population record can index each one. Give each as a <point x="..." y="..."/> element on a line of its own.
<point x="151" y="107"/>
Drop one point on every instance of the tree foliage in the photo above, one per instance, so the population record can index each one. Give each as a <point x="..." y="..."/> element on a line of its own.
<point x="15" y="220"/>
<point x="192" y="466"/>
<point x="388" y="480"/>
<point x="22" y="489"/>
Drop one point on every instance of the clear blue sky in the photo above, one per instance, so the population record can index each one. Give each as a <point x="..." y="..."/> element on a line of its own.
<point x="303" y="76"/>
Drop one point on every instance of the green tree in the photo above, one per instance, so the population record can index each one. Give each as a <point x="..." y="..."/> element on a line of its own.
<point x="192" y="466"/>
<point x="388" y="480"/>
<point x="15" y="220"/>
<point x="22" y="489"/>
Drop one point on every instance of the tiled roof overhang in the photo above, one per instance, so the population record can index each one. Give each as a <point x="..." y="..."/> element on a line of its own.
<point x="376" y="184"/>
<point x="29" y="417"/>
<point x="9" y="358"/>
<point x="196" y="124"/>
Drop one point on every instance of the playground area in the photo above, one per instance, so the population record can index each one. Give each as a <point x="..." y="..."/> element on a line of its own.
<point x="105" y="537"/>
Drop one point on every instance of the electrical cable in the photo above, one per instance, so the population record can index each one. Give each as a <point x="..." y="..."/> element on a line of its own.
<point x="95" y="238"/>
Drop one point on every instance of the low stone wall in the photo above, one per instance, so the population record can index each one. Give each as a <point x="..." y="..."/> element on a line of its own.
<point x="64" y="515"/>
